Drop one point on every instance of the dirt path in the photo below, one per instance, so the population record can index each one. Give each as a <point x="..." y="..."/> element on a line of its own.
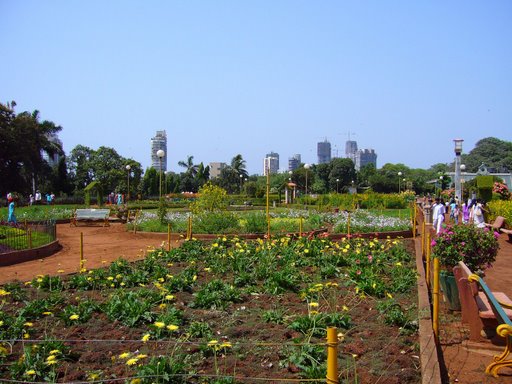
<point x="102" y="245"/>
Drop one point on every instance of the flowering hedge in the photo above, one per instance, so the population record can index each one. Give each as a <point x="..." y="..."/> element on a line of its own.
<point x="476" y="247"/>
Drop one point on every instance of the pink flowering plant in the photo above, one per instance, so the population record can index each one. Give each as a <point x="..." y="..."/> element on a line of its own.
<point x="502" y="190"/>
<point x="476" y="247"/>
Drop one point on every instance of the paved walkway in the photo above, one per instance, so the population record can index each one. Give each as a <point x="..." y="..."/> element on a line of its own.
<point x="466" y="361"/>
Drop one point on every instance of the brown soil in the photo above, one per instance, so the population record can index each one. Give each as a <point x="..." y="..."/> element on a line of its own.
<point x="102" y="245"/>
<point x="381" y="353"/>
<point x="464" y="362"/>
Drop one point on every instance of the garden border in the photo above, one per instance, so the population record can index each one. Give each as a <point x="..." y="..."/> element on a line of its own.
<point x="16" y="257"/>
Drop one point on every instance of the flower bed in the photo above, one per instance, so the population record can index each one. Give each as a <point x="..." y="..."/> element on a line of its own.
<point x="211" y="312"/>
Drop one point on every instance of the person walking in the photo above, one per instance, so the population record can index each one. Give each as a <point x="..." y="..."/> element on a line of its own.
<point x="11" y="218"/>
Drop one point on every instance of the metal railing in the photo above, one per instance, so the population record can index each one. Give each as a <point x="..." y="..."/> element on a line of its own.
<point x="26" y="235"/>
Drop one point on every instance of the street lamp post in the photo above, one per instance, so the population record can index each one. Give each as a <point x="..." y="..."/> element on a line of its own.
<point x="306" y="167"/>
<point x="337" y="184"/>
<point x="441" y="184"/>
<point x="399" y="180"/>
<point x="241" y="179"/>
<point x="128" y="168"/>
<point x="160" y="153"/>
<point x="462" y="181"/>
<point x="458" y="151"/>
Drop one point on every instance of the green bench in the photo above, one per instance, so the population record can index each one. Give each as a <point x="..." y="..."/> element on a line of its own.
<point x="90" y="215"/>
<point x="504" y="328"/>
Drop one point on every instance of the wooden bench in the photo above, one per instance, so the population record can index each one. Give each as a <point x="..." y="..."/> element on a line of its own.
<point x="475" y="308"/>
<point x="497" y="224"/>
<point x="504" y="328"/>
<point x="91" y="216"/>
<point x="508" y="232"/>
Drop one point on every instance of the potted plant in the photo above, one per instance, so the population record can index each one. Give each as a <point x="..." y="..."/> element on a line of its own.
<point x="476" y="247"/>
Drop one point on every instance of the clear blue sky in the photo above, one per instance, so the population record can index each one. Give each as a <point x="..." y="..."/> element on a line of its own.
<point x="228" y="77"/>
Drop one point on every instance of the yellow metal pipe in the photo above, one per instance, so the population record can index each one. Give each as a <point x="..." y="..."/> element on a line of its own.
<point x="268" y="206"/>
<point x="423" y="238"/>
<point x="81" y="251"/>
<point x="427" y="260"/>
<point x="168" y="237"/>
<point x="332" y="356"/>
<point x="435" y="296"/>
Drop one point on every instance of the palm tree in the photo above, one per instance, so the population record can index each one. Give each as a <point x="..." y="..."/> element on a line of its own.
<point x="238" y="165"/>
<point x="189" y="165"/>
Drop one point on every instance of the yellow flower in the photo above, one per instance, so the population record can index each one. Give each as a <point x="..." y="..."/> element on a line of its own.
<point x="146" y="337"/>
<point x="226" y="344"/>
<point x="132" y="361"/>
<point x="172" y="327"/>
<point x="26" y="335"/>
<point x="341" y="337"/>
<point x="345" y="308"/>
<point x="141" y="356"/>
<point x="169" y="297"/>
<point x="211" y="343"/>
<point x="54" y="352"/>
<point x="306" y="250"/>
<point x="1" y="323"/>
<point x="159" y="324"/>
<point x="313" y="305"/>
<point x="124" y="355"/>
<point x="162" y="305"/>
<point x="51" y="359"/>
<point x="194" y="278"/>
<point x="28" y="324"/>
<point x="3" y="292"/>
<point x="47" y="313"/>
<point x="110" y="278"/>
<point x="314" y="312"/>
<point x="207" y="269"/>
<point x="135" y="381"/>
<point x="30" y="372"/>
<point x="74" y="317"/>
<point x="389" y="295"/>
<point x="399" y="264"/>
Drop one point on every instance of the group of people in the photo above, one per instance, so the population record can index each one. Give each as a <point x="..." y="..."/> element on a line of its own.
<point x="115" y="198"/>
<point x="37" y="198"/>
<point x="471" y="211"/>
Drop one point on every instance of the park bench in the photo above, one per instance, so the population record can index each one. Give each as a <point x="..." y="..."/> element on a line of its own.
<point x="497" y="224"/>
<point x="475" y="308"/>
<point x="91" y="216"/>
<point x="508" y="232"/>
<point x="504" y="328"/>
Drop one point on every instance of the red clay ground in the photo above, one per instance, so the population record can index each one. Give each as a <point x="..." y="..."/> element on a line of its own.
<point x="102" y="245"/>
<point x="464" y="363"/>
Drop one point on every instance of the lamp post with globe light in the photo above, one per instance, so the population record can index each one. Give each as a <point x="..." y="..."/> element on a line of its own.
<point x="462" y="181"/>
<point x="306" y="167"/>
<point x="160" y="153"/>
<point x="337" y="185"/>
<point x="399" y="180"/>
<point x="128" y="169"/>
<point x="458" y="151"/>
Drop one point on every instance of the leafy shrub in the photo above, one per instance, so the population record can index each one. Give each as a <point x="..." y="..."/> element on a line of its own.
<point x="476" y="247"/>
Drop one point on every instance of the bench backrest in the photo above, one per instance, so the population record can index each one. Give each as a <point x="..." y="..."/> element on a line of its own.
<point x="467" y="292"/>
<point x="498" y="311"/>
<point x="83" y="213"/>
<point x="498" y="223"/>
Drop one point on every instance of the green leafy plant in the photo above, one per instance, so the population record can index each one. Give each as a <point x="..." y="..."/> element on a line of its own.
<point x="476" y="247"/>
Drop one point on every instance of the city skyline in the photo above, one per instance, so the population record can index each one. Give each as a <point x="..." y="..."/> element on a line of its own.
<point x="228" y="78"/>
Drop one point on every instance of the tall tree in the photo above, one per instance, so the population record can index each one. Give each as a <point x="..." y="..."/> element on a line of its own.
<point x="189" y="165"/>
<point x="20" y="168"/>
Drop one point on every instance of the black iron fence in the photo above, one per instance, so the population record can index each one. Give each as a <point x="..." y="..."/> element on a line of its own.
<point x="27" y="235"/>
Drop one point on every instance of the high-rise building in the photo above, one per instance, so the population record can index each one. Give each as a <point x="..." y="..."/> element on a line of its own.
<point x="216" y="168"/>
<point x="324" y="152"/>
<point x="351" y="150"/>
<point x="294" y="162"/>
<point x="364" y="157"/>
<point x="271" y="163"/>
<point x="54" y="159"/>
<point x="159" y="142"/>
